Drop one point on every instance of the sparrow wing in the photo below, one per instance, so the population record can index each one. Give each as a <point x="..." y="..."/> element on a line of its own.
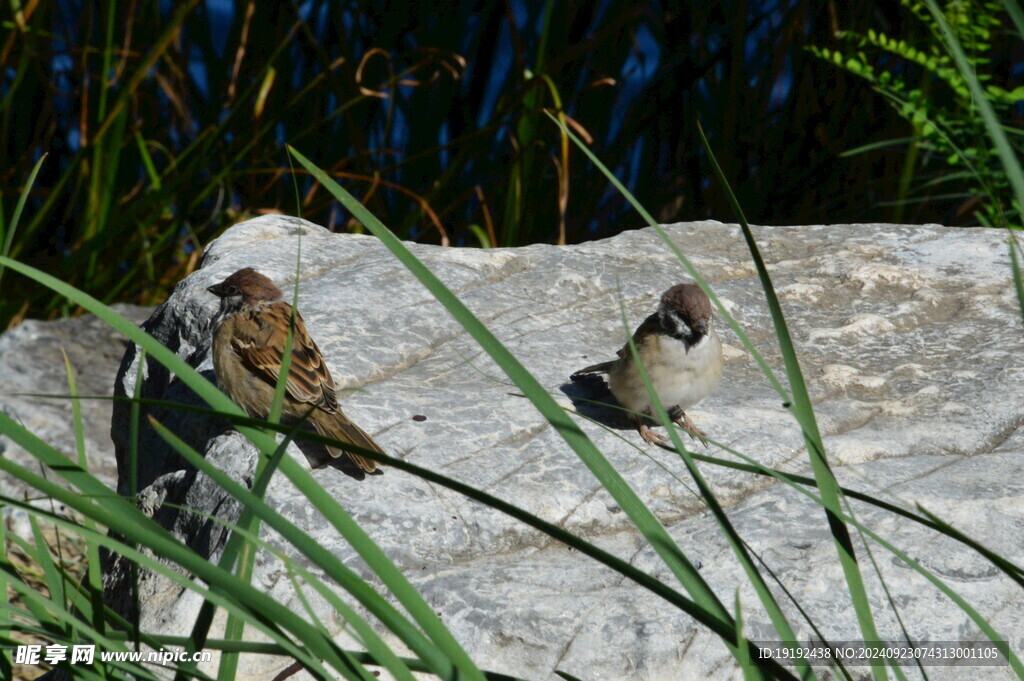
<point x="600" y="368"/>
<point x="644" y="334"/>
<point x="260" y="341"/>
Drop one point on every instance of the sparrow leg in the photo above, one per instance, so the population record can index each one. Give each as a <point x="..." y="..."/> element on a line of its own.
<point x="680" y="418"/>
<point x="648" y="435"/>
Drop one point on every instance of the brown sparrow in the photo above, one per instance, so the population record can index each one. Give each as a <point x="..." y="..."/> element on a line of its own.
<point x="682" y="355"/>
<point x="248" y="350"/>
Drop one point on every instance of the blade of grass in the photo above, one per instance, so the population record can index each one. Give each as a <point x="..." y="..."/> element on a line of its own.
<point x="95" y="500"/>
<point x="320" y="556"/>
<point x="749" y="673"/>
<point x="81" y="629"/>
<point x="654" y="532"/>
<point x="801" y="405"/>
<point x="801" y="487"/>
<point x="92" y="553"/>
<point x="8" y="234"/>
<point x="803" y="410"/>
<point x="364" y="633"/>
<point x="6" y="660"/>
<point x="771" y="606"/>
<point x="264" y="469"/>
<point x="115" y="626"/>
<point x="1015" y="265"/>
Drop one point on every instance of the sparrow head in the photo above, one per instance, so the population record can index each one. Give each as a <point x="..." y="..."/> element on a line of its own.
<point x="245" y="288"/>
<point x="685" y="312"/>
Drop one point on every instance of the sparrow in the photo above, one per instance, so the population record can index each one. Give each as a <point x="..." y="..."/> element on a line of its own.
<point x="248" y="350"/>
<point x="682" y="355"/>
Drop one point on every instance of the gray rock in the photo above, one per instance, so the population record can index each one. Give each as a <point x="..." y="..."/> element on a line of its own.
<point x="909" y="337"/>
<point x="32" y="364"/>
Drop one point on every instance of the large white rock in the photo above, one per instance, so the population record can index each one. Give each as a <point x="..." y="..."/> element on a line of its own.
<point x="910" y="339"/>
<point x="34" y="388"/>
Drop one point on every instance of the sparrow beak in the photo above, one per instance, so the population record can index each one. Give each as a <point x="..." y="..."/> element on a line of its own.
<point x="701" y="328"/>
<point x="217" y="290"/>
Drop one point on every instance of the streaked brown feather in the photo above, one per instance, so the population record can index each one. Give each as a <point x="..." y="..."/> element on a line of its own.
<point x="260" y="342"/>
<point x="643" y="334"/>
<point x="260" y="339"/>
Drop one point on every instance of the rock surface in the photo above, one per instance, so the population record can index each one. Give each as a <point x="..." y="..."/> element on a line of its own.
<point x="32" y="364"/>
<point x="909" y="337"/>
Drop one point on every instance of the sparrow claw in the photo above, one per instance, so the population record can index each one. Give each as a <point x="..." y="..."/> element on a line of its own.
<point x="684" y="422"/>
<point x="649" y="436"/>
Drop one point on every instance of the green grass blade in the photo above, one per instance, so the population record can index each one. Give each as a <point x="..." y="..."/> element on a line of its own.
<point x="1015" y="265"/>
<point x="663" y="544"/>
<point x="6" y="660"/>
<point x="1006" y="153"/>
<point x="82" y="629"/>
<point x="320" y="556"/>
<point x="1013" y="9"/>
<point x="804" y="412"/>
<point x="801" y="405"/>
<point x="36" y="601"/>
<point x="799" y="484"/>
<point x="112" y="511"/>
<point x="92" y="552"/>
<point x="53" y="577"/>
<point x="378" y="651"/>
<point x="115" y="626"/>
<point x="749" y="672"/>
<point x="12" y="226"/>
<point x="147" y="162"/>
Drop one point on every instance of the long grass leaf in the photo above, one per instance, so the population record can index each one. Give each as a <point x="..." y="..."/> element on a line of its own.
<point x="12" y="226"/>
<point x="801" y="405"/>
<point x="92" y="552"/>
<point x="123" y="518"/>
<point x="663" y="544"/>
<point x="1015" y="265"/>
<point x="803" y="410"/>
<point x="771" y="606"/>
<point x="375" y="646"/>
<point x="1006" y="153"/>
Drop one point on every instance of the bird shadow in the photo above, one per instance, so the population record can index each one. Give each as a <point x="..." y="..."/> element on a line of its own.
<point x="592" y="399"/>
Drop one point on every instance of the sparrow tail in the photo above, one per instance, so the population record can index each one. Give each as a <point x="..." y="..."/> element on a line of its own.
<point x="348" y="462"/>
<point x="601" y="368"/>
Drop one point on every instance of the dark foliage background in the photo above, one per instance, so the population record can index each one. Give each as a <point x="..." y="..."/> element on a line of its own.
<point x="164" y="123"/>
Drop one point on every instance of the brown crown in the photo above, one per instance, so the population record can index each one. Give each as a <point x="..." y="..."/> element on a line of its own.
<point x="253" y="286"/>
<point x="688" y="301"/>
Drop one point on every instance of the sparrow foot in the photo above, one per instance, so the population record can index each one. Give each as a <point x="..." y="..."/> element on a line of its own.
<point x="684" y="422"/>
<point x="646" y="434"/>
<point x="649" y="436"/>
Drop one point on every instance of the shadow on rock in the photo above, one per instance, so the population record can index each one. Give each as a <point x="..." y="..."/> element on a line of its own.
<point x="593" y="399"/>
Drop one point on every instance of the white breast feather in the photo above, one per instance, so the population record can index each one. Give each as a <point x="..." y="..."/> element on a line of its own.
<point x="680" y="376"/>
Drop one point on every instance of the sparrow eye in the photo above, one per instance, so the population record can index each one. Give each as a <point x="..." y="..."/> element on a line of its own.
<point x="231" y="290"/>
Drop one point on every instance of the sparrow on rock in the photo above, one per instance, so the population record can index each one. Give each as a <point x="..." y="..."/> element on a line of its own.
<point x="248" y="350"/>
<point x="682" y="355"/>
